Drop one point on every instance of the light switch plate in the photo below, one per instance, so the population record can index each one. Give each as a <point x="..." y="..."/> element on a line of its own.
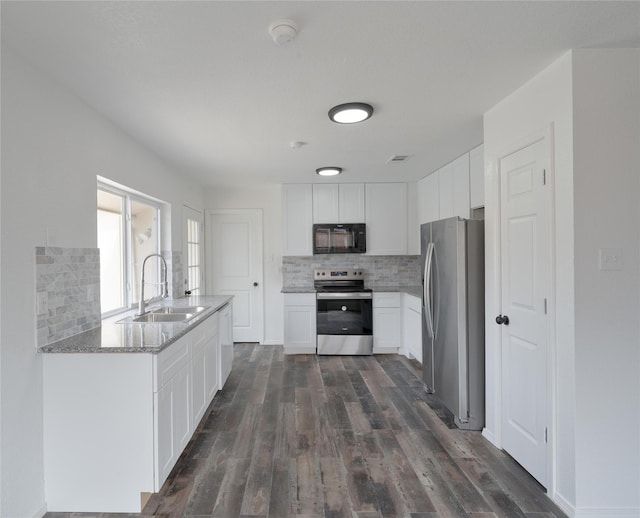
<point x="610" y="259"/>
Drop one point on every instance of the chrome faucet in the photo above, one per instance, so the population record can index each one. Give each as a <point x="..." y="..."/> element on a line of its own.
<point x="165" y="285"/>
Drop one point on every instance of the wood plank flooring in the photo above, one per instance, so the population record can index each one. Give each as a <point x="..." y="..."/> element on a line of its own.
<point x="329" y="436"/>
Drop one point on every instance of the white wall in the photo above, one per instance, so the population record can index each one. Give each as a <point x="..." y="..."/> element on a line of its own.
<point x="53" y="146"/>
<point x="606" y="102"/>
<point x="590" y="100"/>
<point x="269" y="199"/>
<point x="543" y="101"/>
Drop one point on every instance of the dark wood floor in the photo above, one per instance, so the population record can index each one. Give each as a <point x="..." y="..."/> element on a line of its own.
<point x="308" y="436"/>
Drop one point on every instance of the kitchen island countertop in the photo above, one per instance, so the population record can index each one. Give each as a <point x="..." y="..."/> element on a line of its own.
<point x="132" y="337"/>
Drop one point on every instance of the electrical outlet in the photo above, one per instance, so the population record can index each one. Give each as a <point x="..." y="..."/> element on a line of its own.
<point x="42" y="302"/>
<point x="610" y="259"/>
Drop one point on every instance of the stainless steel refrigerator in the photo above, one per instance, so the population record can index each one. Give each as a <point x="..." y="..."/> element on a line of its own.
<point x="452" y="253"/>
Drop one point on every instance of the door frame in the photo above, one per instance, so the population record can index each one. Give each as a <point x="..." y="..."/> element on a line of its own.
<point x="494" y="307"/>
<point x="187" y="213"/>
<point x="259" y="213"/>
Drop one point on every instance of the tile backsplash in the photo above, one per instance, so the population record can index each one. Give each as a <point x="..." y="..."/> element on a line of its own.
<point x="380" y="270"/>
<point x="68" y="289"/>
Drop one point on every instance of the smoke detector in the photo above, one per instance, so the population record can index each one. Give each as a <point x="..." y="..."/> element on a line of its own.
<point x="283" y="32"/>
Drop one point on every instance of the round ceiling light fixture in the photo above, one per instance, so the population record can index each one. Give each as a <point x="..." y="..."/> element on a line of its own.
<point x="329" y="171"/>
<point x="350" y="113"/>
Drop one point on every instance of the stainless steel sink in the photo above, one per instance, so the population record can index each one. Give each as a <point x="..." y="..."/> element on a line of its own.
<point x="166" y="314"/>
<point x="168" y="310"/>
<point x="158" y="318"/>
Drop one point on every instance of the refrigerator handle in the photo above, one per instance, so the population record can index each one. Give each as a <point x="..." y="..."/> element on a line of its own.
<point x="428" y="289"/>
<point x="435" y="293"/>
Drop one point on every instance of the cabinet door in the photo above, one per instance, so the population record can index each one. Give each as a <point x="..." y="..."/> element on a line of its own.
<point x="476" y="177"/>
<point x="386" y="218"/>
<point x="181" y="411"/>
<point x="351" y="203"/>
<point x="165" y="453"/>
<point x="225" y="361"/>
<point x="428" y="199"/>
<point x="445" y="191"/>
<point x="387" y="330"/>
<point x="300" y="323"/>
<point x="461" y="186"/>
<point x="297" y="220"/>
<point x="199" y="369"/>
<point x="211" y="376"/>
<point x="325" y="203"/>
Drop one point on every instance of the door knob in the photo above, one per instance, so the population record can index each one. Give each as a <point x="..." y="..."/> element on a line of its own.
<point x="502" y="319"/>
<point x="255" y="283"/>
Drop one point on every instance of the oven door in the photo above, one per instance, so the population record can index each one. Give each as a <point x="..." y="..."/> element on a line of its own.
<point x="345" y="323"/>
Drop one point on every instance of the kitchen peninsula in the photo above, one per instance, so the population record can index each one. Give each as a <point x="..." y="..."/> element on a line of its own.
<point x="122" y="401"/>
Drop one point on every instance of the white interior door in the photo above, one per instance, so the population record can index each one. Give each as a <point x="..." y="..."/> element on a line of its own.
<point x="524" y="256"/>
<point x="235" y="265"/>
<point x="193" y="255"/>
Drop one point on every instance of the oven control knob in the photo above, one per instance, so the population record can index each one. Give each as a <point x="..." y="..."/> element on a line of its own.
<point x="344" y="308"/>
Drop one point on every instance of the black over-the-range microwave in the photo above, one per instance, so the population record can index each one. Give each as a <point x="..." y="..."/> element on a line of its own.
<point x="339" y="238"/>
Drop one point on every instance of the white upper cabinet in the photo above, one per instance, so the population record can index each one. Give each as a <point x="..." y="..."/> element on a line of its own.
<point x="445" y="191"/>
<point x="297" y="219"/>
<point x="476" y="177"/>
<point x="454" y="189"/>
<point x="460" y="168"/>
<point x="428" y="199"/>
<point x="338" y="203"/>
<point x="386" y="218"/>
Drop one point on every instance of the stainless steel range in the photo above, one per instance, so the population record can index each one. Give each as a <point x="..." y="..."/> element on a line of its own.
<point x="344" y="312"/>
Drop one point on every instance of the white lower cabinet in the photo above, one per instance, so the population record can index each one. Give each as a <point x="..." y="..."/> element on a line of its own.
<point x="116" y="424"/>
<point x="299" y="323"/>
<point x="225" y="337"/>
<point x="387" y="322"/>
<point x="412" y="326"/>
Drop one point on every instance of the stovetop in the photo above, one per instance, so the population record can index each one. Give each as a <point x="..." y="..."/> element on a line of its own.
<point x="343" y="279"/>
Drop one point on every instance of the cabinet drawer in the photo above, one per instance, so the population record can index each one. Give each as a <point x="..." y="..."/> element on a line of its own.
<point x="169" y="362"/>
<point x="299" y="299"/>
<point x="386" y="300"/>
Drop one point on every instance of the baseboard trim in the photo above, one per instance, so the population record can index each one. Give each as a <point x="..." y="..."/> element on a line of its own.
<point x="488" y="435"/>
<point x="41" y="512"/>
<point x="606" y="512"/>
<point x="385" y="350"/>
<point x="564" y="504"/>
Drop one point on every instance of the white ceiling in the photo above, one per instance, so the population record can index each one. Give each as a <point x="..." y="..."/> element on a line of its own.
<point x="203" y="85"/>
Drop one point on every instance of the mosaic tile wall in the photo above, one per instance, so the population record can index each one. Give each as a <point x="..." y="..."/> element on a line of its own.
<point x="380" y="270"/>
<point x="68" y="280"/>
<point x="176" y="276"/>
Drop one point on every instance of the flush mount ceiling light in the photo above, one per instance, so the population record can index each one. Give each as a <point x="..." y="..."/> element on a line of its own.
<point x="329" y="171"/>
<point x="350" y="113"/>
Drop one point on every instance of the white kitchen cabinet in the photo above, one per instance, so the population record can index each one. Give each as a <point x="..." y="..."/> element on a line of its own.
<point x="387" y="322"/>
<point x="460" y="167"/>
<point x="428" y="199"/>
<point x="445" y="191"/>
<point x="386" y="218"/>
<point x="225" y="361"/>
<point x="476" y="177"/>
<point x="106" y="411"/>
<point x="338" y="203"/>
<point x="412" y="326"/>
<point x="297" y="219"/>
<point x="299" y="323"/>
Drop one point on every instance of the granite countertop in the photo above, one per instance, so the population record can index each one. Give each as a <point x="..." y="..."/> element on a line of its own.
<point x="132" y="337"/>
<point x="416" y="290"/>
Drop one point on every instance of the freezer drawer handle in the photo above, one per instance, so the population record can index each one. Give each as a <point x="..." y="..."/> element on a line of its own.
<point x="502" y="319"/>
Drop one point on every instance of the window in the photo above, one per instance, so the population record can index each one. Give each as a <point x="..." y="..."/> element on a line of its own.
<point x="193" y="246"/>
<point x="128" y="231"/>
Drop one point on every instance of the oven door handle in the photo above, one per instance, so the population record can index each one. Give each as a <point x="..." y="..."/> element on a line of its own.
<point x="336" y="295"/>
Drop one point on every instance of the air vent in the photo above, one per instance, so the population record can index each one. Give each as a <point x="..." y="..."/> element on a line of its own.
<point x="398" y="158"/>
